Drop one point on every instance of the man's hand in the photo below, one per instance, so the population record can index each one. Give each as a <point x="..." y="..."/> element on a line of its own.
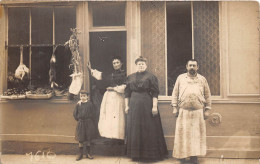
<point x="175" y="111"/>
<point x="206" y="114"/>
<point x="155" y="111"/>
<point x="126" y="109"/>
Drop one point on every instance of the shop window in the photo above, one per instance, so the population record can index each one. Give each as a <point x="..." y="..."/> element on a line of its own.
<point x="153" y="40"/>
<point x="205" y="41"/>
<point x="108" y="13"/>
<point x="40" y="65"/>
<point x="19" y="25"/>
<point x="42" y="25"/>
<point x="179" y="40"/>
<point x="49" y="27"/>
<point x="13" y="62"/>
<point x="62" y="30"/>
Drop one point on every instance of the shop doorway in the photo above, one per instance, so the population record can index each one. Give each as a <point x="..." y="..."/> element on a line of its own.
<point x="103" y="46"/>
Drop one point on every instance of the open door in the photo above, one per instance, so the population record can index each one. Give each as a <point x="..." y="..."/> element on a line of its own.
<point x="103" y="46"/>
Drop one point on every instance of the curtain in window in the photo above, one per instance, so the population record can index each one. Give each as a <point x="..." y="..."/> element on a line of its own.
<point x="206" y="42"/>
<point x="153" y="39"/>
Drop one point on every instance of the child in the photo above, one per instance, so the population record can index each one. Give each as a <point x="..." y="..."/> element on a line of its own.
<point x="85" y="131"/>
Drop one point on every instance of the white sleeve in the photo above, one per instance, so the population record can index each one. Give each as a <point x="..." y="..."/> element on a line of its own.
<point x="96" y="74"/>
<point x="120" y="88"/>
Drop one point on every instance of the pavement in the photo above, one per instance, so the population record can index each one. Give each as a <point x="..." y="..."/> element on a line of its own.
<point x="42" y="158"/>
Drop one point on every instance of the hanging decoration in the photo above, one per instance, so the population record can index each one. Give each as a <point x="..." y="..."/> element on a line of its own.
<point x="21" y="70"/>
<point x="76" y="65"/>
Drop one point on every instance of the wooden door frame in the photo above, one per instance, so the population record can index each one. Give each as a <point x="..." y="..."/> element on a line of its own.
<point x="133" y="35"/>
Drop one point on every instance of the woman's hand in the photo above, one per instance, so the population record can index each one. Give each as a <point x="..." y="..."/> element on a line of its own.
<point x="126" y="109"/>
<point x="110" y="88"/>
<point x="155" y="110"/>
<point x="89" y="65"/>
<point x="126" y="105"/>
<point x="155" y="104"/>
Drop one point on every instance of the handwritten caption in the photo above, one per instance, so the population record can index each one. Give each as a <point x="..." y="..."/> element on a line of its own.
<point x="39" y="155"/>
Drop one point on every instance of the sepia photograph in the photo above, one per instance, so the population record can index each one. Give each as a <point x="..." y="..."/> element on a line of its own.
<point x="129" y="82"/>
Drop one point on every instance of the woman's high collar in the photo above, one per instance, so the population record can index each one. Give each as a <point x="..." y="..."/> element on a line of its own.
<point x="143" y="72"/>
<point x="118" y="71"/>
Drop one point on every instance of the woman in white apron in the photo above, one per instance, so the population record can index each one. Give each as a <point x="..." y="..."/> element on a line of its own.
<point x="112" y="120"/>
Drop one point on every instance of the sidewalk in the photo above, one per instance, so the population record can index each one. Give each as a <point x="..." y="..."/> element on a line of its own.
<point x="70" y="159"/>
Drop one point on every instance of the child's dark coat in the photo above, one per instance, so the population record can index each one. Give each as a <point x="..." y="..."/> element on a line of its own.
<point x="84" y="113"/>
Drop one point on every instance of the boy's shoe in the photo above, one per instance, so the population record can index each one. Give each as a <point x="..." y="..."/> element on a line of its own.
<point x="80" y="156"/>
<point x="89" y="156"/>
<point x="89" y="153"/>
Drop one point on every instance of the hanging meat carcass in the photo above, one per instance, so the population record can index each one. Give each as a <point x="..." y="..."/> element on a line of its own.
<point x="21" y="70"/>
<point x="52" y="71"/>
<point x="77" y="76"/>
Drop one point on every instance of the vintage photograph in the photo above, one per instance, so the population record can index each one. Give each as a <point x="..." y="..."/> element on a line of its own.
<point x="129" y="82"/>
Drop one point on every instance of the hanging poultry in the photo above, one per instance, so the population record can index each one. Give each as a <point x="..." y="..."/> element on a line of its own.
<point x="21" y="70"/>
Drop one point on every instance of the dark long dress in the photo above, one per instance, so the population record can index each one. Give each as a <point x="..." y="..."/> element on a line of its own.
<point x="86" y="129"/>
<point x="145" y="139"/>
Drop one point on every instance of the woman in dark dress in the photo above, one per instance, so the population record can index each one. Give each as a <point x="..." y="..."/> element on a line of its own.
<point x="145" y="139"/>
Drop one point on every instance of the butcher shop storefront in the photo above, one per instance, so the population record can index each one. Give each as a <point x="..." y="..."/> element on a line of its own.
<point x="45" y="47"/>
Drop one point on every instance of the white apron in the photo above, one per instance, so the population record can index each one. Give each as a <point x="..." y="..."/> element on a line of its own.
<point x="112" y="120"/>
<point x="190" y="134"/>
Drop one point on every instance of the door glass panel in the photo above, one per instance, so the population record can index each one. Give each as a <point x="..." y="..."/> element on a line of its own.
<point x="103" y="46"/>
<point x="108" y="13"/>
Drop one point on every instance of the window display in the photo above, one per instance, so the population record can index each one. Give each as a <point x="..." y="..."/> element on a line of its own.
<point x="38" y="61"/>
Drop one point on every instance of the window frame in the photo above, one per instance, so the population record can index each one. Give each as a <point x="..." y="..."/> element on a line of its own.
<point x="89" y="28"/>
<point x="166" y="98"/>
<point x="52" y="5"/>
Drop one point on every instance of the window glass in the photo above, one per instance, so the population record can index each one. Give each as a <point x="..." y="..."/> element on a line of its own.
<point x="179" y="40"/>
<point x="108" y="13"/>
<point x="153" y="40"/>
<point x="64" y="21"/>
<point x="42" y="33"/>
<point x="18" y="23"/>
<point x="206" y="42"/>
<point x="13" y="63"/>
<point x="40" y="65"/>
<point x="63" y="72"/>
<point x="42" y="26"/>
